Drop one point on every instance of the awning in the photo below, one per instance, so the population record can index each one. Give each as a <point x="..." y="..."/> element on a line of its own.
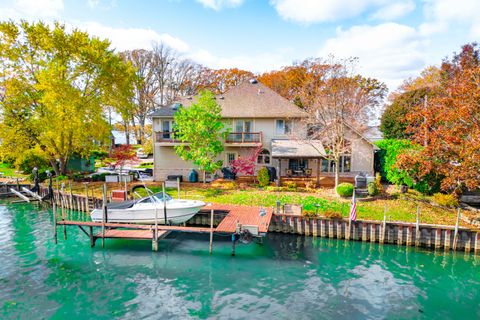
<point x="297" y="149"/>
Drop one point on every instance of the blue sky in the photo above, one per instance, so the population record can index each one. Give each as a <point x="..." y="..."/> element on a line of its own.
<point x="393" y="39"/>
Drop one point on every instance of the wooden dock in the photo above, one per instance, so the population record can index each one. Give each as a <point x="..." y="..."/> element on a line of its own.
<point x="236" y="221"/>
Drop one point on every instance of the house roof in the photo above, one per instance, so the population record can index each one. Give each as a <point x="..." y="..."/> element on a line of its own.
<point x="250" y="99"/>
<point x="297" y="149"/>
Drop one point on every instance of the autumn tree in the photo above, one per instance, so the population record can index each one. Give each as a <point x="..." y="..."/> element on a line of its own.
<point x="145" y="91"/>
<point x="201" y="130"/>
<point x="336" y="102"/>
<point x="246" y="164"/>
<point x="450" y="126"/>
<point x="413" y="93"/>
<point x="394" y="120"/>
<point x="57" y="85"/>
<point x="219" y="81"/>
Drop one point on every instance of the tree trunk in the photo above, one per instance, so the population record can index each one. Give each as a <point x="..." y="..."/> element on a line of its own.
<point x="63" y="165"/>
<point x="337" y="172"/>
<point x="53" y="163"/>
<point x="127" y="132"/>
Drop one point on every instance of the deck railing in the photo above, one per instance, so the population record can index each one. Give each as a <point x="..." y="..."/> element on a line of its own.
<point x="234" y="137"/>
<point x="169" y="136"/>
<point x="244" y="137"/>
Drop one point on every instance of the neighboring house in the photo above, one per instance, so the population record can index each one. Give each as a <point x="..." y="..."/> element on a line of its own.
<point x="118" y="138"/>
<point x="258" y="116"/>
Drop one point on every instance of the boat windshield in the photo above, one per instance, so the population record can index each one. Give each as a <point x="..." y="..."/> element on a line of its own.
<point x="159" y="196"/>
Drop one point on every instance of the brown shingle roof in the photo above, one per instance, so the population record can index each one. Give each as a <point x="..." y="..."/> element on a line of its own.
<point x="250" y="100"/>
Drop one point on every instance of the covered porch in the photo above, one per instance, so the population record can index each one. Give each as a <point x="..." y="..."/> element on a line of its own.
<point x="299" y="161"/>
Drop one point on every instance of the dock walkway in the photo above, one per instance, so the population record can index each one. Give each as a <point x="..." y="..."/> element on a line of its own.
<point x="236" y="220"/>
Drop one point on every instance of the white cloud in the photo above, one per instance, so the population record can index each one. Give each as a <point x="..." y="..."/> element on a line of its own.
<point x="390" y="52"/>
<point x="32" y="9"/>
<point x="102" y="4"/>
<point x="133" y="38"/>
<point x="219" y="4"/>
<point x="441" y="14"/>
<point x="310" y="11"/>
<point x="255" y="63"/>
<point x="394" y="10"/>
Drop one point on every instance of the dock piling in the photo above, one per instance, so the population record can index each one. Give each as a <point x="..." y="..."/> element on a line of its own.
<point x="62" y="204"/>
<point x="455" y="236"/>
<point x="54" y="209"/>
<point x="211" y="230"/>
<point x="104" y="212"/>
<point x="417" y="228"/>
<point x="164" y="205"/>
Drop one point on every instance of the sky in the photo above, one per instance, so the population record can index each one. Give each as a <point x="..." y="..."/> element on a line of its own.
<point x="393" y="39"/>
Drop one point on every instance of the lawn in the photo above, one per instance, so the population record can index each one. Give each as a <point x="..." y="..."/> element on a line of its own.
<point x="398" y="209"/>
<point x="6" y="171"/>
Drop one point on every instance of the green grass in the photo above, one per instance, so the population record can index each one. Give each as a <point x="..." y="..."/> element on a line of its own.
<point x="8" y="171"/>
<point x="397" y="209"/>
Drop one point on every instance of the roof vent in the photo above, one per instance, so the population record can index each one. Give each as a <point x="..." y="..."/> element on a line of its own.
<point x="253" y="81"/>
<point x="221" y="97"/>
<point x="260" y="92"/>
<point x="175" y="106"/>
<point x="189" y="97"/>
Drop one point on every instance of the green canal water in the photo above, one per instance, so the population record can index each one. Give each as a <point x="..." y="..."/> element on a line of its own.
<point x="289" y="277"/>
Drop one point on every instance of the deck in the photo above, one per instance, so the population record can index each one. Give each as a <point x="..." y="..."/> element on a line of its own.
<point x="236" y="218"/>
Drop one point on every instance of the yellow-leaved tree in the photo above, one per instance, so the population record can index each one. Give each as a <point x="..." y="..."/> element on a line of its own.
<point x="55" y="87"/>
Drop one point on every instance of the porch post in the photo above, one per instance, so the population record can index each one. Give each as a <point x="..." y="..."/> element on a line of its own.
<point x="318" y="172"/>
<point x="279" y="172"/>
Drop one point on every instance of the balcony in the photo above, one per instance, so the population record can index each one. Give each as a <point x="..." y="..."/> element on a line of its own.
<point x="166" y="138"/>
<point x="244" y="139"/>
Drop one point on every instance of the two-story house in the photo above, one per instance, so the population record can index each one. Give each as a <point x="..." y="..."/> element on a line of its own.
<point x="258" y="116"/>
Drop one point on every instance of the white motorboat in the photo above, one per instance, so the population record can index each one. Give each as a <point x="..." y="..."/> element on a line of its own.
<point x="145" y="209"/>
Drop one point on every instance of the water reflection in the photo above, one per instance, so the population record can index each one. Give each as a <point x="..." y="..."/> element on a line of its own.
<point x="288" y="276"/>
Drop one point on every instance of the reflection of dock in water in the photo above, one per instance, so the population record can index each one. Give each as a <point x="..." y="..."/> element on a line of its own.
<point x="244" y="223"/>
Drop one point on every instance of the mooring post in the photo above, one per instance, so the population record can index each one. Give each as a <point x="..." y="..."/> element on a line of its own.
<point x="417" y="227"/>
<point x="211" y="230"/>
<point x="86" y="197"/>
<point x="384" y="225"/>
<point x="71" y="194"/>
<point x="104" y="212"/>
<point x="233" y="243"/>
<point x="455" y="236"/>
<point x="54" y="209"/>
<point x="62" y="203"/>
<point x="164" y="204"/>
<point x="155" y="232"/>
<point x="92" y="238"/>
<point x="178" y="187"/>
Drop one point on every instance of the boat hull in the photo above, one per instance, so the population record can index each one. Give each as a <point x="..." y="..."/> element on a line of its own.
<point x="175" y="215"/>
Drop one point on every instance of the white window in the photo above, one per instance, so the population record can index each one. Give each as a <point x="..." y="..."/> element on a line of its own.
<point x="167" y="128"/>
<point x="263" y="157"/>
<point x="329" y="165"/>
<point x="230" y="157"/>
<point x="283" y="127"/>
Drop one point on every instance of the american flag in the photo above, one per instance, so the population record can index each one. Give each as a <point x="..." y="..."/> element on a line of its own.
<point x="353" y="208"/>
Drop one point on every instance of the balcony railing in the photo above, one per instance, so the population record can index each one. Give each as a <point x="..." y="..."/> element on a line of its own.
<point x="165" y="137"/>
<point x="244" y="137"/>
<point x="234" y="137"/>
